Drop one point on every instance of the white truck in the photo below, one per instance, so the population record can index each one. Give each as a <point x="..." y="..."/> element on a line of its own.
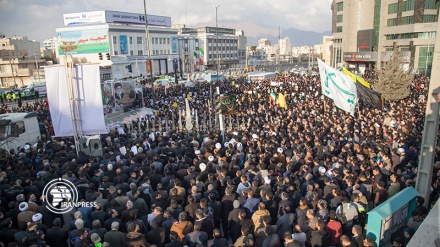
<point x="18" y="129"/>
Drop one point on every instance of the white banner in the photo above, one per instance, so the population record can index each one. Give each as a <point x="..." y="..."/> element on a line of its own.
<point x="337" y="86"/>
<point x="84" y="18"/>
<point x="134" y="18"/>
<point x="107" y="16"/>
<point x="89" y="99"/>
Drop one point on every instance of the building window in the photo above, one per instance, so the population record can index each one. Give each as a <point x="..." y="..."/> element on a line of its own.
<point x="430" y="4"/>
<point x="160" y="41"/>
<point x="404" y="48"/>
<point x="429" y="18"/>
<point x="392" y="8"/>
<point x="339" y="18"/>
<point x="340" y="6"/>
<point x="392" y="22"/>
<point x="339" y="29"/>
<point x="131" y="40"/>
<point x="114" y="40"/>
<point x="406" y="20"/>
<point x="408" y="5"/>
<point x="131" y="53"/>
<point x="116" y="53"/>
<point x="407" y="35"/>
<point x="168" y="41"/>
<point x="140" y="53"/>
<point x="389" y="48"/>
<point x="426" y="35"/>
<point x="392" y="36"/>
<point x="425" y="57"/>
<point x="139" y="40"/>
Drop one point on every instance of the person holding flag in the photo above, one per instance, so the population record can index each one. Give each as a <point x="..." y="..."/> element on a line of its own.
<point x="337" y="86"/>
<point x="366" y="94"/>
<point x="273" y="97"/>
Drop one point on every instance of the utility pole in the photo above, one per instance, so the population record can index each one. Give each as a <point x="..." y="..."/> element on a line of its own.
<point x="218" y="58"/>
<point x="279" y="44"/>
<point x="148" y="43"/>
<point x="36" y="66"/>
<point x="12" y="71"/>
<point x="308" y="66"/>
<point x="216" y="42"/>
<point x="430" y="129"/>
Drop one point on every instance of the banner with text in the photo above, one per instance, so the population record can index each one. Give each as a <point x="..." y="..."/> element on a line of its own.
<point x="83" y="41"/>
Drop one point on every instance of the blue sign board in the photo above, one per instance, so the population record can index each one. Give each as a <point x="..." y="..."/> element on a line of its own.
<point x="173" y="44"/>
<point x="123" y="43"/>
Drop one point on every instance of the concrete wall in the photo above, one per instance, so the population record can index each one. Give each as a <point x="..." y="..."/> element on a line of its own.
<point x="429" y="230"/>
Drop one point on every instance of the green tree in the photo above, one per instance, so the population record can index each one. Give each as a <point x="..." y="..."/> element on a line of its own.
<point x="394" y="82"/>
<point x="253" y="49"/>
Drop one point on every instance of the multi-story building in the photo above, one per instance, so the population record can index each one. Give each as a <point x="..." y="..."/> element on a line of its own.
<point x="208" y="47"/>
<point x="285" y="46"/>
<point x="365" y="33"/>
<point x="263" y="43"/>
<point x="50" y="44"/>
<point x="327" y="42"/>
<point x="241" y="49"/>
<point x="285" y="49"/>
<point x="19" y="60"/>
<point x="117" y="40"/>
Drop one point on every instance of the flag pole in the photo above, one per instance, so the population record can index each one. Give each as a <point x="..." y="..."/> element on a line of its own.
<point x="359" y="110"/>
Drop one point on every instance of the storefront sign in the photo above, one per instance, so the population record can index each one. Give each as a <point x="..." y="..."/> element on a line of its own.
<point x="360" y="56"/>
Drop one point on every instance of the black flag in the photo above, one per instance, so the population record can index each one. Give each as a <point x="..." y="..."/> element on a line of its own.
<point x="369" y="96"/>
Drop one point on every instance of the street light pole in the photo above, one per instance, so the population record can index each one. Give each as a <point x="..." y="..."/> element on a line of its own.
<point x="148" y="43"/>
<point x="279" y="45"/>
<point x="216" y="40"/>
<point x="12" y="71"/>
<point x="36" y="66"/>
<point x="218" y="61"/>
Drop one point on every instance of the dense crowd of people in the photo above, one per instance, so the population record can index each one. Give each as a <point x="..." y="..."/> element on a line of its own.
<point x="305" y="175"/>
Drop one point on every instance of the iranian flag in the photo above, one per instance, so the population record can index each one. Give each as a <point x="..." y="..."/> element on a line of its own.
<point x="202" y="55"/>
<point x="195" y="59"/>
<point x="273" y="97"/>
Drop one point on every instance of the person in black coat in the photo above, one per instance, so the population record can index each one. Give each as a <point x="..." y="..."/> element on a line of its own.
<point x="96" y="228"/>
<point x="175" y="242"/>
<point x="57" y="236"/>
<point x="218" y="241"/>
<point x="320" y="236"/>
<point x="21" y="234"/>
<point x="7" y="233"/>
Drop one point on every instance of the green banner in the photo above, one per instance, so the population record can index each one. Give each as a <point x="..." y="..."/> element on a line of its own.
<point x="83" y="41"/>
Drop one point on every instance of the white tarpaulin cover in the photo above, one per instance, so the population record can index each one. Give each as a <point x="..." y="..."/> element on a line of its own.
<point x="87" y="91"/>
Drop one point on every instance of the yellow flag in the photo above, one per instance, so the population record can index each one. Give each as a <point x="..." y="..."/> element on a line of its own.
<point x="209" y="103"/>
<point x="175" y="104"/>
<point x="188" y="96"/>
<point x="282" y="101"/>
<point x="233" y="83"/>
<point x="242" y="98"/>
<point x="355" y="78"/>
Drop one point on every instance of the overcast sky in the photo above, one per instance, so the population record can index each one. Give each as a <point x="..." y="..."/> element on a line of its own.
<point x="38" y="19"/>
